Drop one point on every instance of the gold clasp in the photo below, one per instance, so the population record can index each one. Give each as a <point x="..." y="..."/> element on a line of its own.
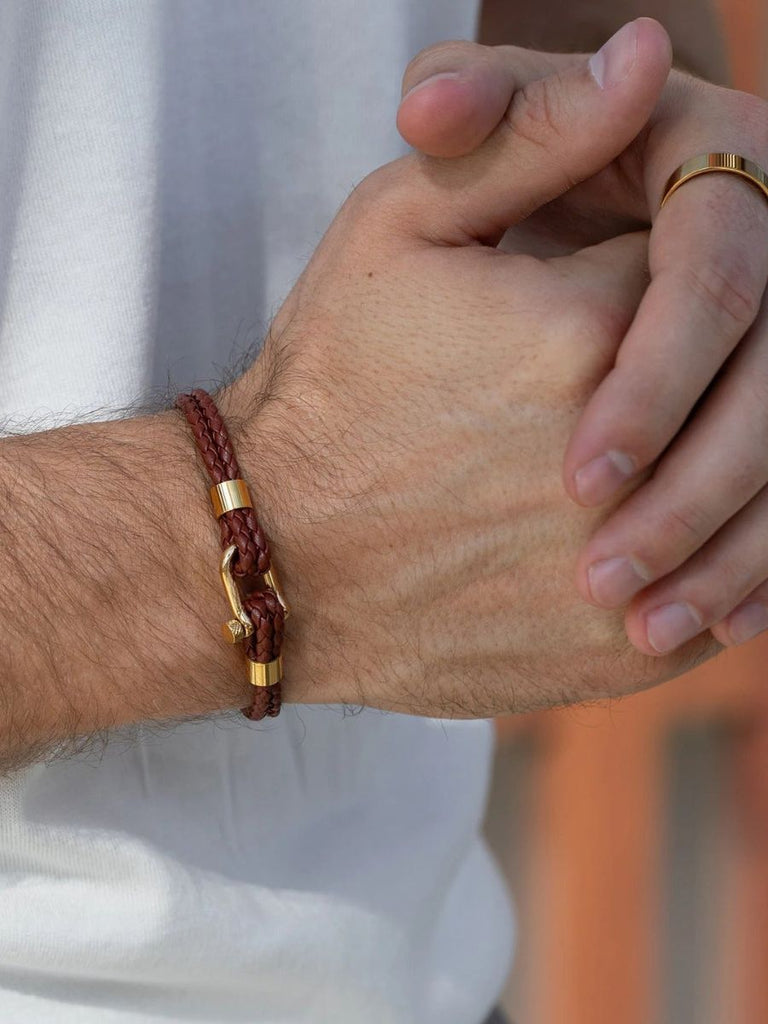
<point x="240" y="627"/>
<point x="237" y="629"/>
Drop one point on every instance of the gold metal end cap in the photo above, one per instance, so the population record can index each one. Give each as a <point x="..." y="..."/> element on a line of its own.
<point x="230" y="495"/>
<point x="265" y="673"/>
<point x="233" y="631"/>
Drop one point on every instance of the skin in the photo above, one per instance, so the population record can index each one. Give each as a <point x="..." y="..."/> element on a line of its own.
<point x="412" y="492"/>
<point x="687" y="388"/>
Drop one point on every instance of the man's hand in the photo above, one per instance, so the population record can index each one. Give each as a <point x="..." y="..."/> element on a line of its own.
<point x="422" y="387"/>
<point x="402" y="434"/>
<point x="689" y="545"/>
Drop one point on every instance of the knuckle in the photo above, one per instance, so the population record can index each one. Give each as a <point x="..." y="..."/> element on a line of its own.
<point x="378" y="198"/>
<point x="535" y="114"/>
<point x="368" y="191"/>
<point x="726" y="287"/>
<point x="591" y="315"/>
<point x="751" y="114"/>
<point x="359" y="203"/>
<point x="355" y="217"/>
<point x="579" y="316"/>
<point x="729" y="577"/>
<point x="682" y="528"/>
<point x="594" y="332"/>
<point x="604" y="325"/>
<point x="717" y="590"/>
<point x="726" y="575"/>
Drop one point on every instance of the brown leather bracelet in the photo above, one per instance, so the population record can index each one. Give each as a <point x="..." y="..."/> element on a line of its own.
<point x="259" y="612"/>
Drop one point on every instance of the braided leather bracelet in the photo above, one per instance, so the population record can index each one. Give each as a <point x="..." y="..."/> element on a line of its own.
<point x="260" y="612"/>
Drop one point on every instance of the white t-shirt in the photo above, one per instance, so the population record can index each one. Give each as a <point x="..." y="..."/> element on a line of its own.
<point x="166" y="170"/>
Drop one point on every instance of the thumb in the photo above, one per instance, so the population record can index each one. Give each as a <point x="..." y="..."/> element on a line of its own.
<point x="556" y="132"/>
<point x="455" y="93"/>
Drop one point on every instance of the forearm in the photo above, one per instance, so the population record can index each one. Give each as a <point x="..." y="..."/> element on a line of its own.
<point x="110" y="600"/>
<point x="583" y="25"/>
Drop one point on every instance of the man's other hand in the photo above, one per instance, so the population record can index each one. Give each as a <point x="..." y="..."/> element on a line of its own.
<point x="686" y="551"/>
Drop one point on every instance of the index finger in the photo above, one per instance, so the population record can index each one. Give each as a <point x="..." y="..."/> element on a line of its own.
<point x="708" y="259"/>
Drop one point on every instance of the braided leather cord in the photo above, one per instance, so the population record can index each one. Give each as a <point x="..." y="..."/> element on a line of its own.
<point x="241" y="528"/>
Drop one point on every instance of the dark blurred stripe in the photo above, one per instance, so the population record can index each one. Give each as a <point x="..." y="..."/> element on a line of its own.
<point x="497" y="1017"/>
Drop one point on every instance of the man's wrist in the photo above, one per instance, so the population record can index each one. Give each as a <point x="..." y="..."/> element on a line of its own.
<point x="112" y="601"/>
<point x="297" y="485"/>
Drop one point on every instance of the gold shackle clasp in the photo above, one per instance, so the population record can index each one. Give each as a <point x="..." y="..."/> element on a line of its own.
<point x="240" y="627"/>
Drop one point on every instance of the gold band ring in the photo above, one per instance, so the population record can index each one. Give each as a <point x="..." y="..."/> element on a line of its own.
<point x="731" y="163"/>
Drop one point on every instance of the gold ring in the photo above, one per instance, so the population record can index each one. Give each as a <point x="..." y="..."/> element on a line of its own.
<point x="731" y="163"/>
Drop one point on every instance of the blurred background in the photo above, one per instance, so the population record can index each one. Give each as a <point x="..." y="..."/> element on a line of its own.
<point x="635" y="835"/>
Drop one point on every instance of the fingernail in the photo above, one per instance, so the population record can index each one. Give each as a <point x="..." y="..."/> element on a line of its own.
<point x="615" y="60"/>
<point x="430" y="81"/>
<point x="603" y="476"/>
<point x="747" y="621"/>
<point x="613" y="581"/>
<point x="671" y="625"/>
